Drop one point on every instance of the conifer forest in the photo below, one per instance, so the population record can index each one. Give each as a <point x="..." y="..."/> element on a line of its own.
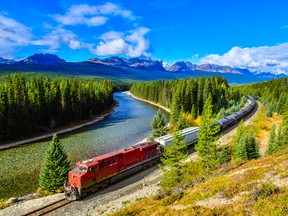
<point x="37" y="105"/>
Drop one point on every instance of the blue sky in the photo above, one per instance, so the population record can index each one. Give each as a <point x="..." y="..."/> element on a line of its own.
<point x="248" y="34"/>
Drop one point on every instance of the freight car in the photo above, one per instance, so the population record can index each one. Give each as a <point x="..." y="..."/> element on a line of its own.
<point x="97" y="172"/>
<point x="191" y="134"/>
<point x="235" y="117"/>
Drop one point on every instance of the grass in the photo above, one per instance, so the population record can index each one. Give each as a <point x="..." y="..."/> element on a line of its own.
<point x="247" y="184"/>
<point x="261" y="126"/>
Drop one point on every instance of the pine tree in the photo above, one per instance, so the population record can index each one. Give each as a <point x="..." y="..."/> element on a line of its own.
<point x="55" y="168"/>
<point x="224" y="156"/>
<point x="206" y="147"/>
<point x="176" y="108"/>
<point x="240" y="150"/>
<point x="193" y="112"/>
<point x="251" y="147"/>
<point x="158" y="125"/>
<point x="268" y="112"/>
<point x="284" y="133"/>
<point x="174" y="153"/>
<point x="246" y="147"/>
<point x="279" y="138"/>
<point x="272" y="141"/>
<point x="240" y="131"/>
<point x="171" y="158"/>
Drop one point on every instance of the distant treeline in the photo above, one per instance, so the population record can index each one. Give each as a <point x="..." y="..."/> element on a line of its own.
<point x="28" y="107"/>
<point x="273" y="94"/>
<point x="187" y="95"/>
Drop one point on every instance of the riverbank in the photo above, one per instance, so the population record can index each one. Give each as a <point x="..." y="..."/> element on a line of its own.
<point x="150" y="102"/>
<point x="60" y="130"/>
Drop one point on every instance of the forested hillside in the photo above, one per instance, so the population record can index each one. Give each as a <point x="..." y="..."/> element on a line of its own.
<point x="28" y="107"/>
<point x="187" y="95"/>
<point x="274" y="94"/>
<point x="242" y="179"/>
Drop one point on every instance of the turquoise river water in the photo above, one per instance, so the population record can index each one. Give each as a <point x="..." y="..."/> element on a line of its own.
<point x="129" y="124"/>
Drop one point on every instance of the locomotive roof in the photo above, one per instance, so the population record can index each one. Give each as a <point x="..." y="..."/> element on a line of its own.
<point x="95" y="160"/>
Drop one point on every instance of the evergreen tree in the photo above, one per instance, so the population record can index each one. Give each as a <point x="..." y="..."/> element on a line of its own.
<point x="284" y="133"/>
<point x="246" y="147"/>
<point x="240" y="150"/>
<point x="171" y="158"/>
<point x="174" y="153"/>
<point x="158" y="125"/>
<point x="176" y="108"/>
<point x="251" y="147"/>
<point x="206" y="147"/>
<point x="272" y="141"/>
<point x="240" y="133"/>
<point x="268" y="111"/>
<point x="224" y="156"/>
<point x="193" y="112"/>
<point x="55" y="168"/>
<point x="279" y="138"/>
<point x="182" y="122"/>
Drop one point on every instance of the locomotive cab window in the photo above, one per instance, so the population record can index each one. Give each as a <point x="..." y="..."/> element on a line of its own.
<point x="93" y="168"/>
<point x="81" y="168"/>
<point x="113" y="160"/>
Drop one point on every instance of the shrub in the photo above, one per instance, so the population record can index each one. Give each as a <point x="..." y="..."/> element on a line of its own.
<point x="224" y="156"/>
<point x="264" y="190"/>
<point x="173" y="198"/>
<point x="268" y="112"/>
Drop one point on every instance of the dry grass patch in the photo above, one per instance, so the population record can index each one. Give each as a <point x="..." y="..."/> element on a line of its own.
<point x="261" y="125"/>
<point x="252" y="188"/>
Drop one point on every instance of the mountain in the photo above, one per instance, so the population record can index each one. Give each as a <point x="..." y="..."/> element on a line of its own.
<point x="112" y="61"/>
<point x="216" y="68"/>
<point x="7" y="61"/>
<point x="182" y="66"/>
<point x="41" y="59"/>
<point x="188" y="66"/>
<point x="129" y="63"/>
<point x="131" y="69"/>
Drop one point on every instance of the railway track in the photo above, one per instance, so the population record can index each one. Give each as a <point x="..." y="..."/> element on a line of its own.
<point x="48" y="208"/>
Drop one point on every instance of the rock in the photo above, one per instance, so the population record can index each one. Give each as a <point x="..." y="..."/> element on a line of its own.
<point x="12" y="200"/>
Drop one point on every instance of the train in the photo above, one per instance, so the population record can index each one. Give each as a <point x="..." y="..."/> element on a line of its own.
<point x="100" y="171"/>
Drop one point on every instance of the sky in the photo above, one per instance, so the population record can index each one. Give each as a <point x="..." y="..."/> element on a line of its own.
<point x="249" y="34"/>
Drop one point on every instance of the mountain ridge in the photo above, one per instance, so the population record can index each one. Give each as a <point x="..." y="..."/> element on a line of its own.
<point x="40" y="58"/>
<point x="7" y="61"/>
<point x="142" y="64"/>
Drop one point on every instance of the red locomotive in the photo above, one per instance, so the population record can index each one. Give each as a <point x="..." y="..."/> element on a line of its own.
<point x="102" y="170"/>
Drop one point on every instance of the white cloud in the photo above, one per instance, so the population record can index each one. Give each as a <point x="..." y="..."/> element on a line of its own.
<point x="272" y="59"/>
<point x="12" y="34"/>
<point x="91" y="15"/>
<point x="57" y="37"/>
<point x="132" y="44"/>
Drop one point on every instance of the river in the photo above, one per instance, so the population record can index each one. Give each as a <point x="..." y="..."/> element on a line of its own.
<point x="129" y="124"/>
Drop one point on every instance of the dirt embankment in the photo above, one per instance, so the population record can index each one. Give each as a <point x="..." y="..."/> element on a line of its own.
<point x="150" y="102"/>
